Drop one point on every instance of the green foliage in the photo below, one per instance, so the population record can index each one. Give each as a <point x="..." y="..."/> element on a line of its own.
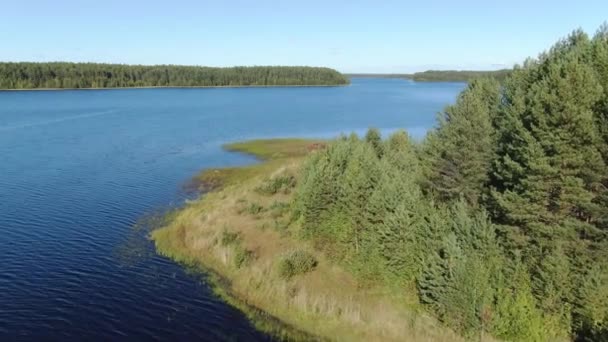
<point x="459" y="75"/>
<point x="458" y="154"/>
<point x="229" y="238"/>
<point x="444" y="75"/>
<point x="254" y="209"/>
<point x="242" y="256"/>
<point x="516" y="316"/>
<point x="295" y="263"/>
<point x="374" y="138"/>
<point x="499" y="218"/>
<point x="271" y="186"/>
<point x="93" y="75"/>
<point x="279" y="209"/>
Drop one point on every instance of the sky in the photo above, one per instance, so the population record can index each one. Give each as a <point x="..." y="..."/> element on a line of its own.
<point x="381" y="36"/>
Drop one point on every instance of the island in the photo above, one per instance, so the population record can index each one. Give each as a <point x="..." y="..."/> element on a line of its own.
<point x="63" y="75"/>
<point x="492" y="227"/>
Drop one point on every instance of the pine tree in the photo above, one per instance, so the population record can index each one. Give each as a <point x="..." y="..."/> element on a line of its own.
<point x="402" y="154"/>
<point x="374" y="138"/>
<point x="549" y="160"/>
<point x="552" y="285"/>
<point x="360" y="178"/>
<point x="516" y="316"/>
<point x="459" y="152"/>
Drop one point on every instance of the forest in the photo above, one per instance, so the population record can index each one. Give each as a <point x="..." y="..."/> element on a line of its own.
<point x="442" y="75"/>
<point x="58" y="75"/>
<point x="498" y="219"/>
<point x="458" y="75"/>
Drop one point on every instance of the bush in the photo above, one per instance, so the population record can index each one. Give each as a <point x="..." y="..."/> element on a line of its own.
<point x="229" y="238"/>
<point x="274" y="185"/>
<point x="281" y="225"/>
<point x="278" y="209"/>
<point x="296" y="262"/>
<point x="254" y="209"/>
<point x="242" y="256"/>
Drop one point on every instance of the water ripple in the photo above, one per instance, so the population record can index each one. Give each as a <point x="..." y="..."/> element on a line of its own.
<point x="79" y="169"/>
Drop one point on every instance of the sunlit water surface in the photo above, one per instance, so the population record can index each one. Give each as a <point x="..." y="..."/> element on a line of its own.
<point x="79" y="169"/>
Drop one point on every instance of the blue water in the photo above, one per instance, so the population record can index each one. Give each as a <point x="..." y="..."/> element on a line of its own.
<point x="79" y="169"/>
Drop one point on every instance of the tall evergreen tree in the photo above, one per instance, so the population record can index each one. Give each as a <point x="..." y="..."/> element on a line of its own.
<point x="459" y="152"/>
<point x="374" y="138"/>
<point x="549" y="158"/>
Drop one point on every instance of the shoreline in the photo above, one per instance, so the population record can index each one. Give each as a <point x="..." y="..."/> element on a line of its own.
<point x="186" y="87"/>
<point x="238" y="233"/>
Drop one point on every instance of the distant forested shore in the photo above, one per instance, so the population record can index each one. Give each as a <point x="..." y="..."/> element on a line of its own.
<point x="459" y="75"/>
<point x="63" y="75"/>
<point x="444" y="75"/>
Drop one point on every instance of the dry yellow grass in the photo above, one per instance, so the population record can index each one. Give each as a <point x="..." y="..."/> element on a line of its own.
<point x="326" y="303"/>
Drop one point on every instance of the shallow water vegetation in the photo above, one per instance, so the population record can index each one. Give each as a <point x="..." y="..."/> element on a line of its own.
<point x="273" y="151"/>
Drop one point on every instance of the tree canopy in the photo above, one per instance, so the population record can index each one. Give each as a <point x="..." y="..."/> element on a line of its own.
<point x="459" y="75"/>
<point x="93" y="75"/>
<point x="498" y="220"/>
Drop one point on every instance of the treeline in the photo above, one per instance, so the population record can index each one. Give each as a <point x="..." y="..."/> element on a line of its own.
<point x="443" y="75"/>
<point x="365" y="75"/>
<point x="458" y="75"/>
<point x="498" y="220"/>
<point x="93" y="75"/>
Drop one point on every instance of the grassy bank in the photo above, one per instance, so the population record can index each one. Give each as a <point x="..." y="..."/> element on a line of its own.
<point x="241" y="233"/>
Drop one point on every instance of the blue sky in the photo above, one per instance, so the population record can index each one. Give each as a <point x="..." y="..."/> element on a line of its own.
<point x="351" y="36"/>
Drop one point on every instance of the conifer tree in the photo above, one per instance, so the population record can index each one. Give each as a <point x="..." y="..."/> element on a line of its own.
<point x="532" y="152"/>
<point x="358" y="183"/>
<point x="516" y="316"/>
<point x="548" y="151"/>
<point x="458" y="153"/>
<point x="374" y="138"/>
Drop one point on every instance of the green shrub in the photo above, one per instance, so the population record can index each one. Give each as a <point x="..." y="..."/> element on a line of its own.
<point x="281" y="225"/>
<point x="254" y="209"/>
<point x="272" y="186"/>
<point x="242" y="256"/>
<point x="229" y="238"/>
<point x="278" y="209"/>
<point x="296" y="262"/>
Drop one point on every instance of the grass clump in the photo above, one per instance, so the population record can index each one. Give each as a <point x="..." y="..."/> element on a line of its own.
<point x="229" y="238"/>
<point x="250" y="208"/>
<point x="277" y="184"/>
<point x="296" y="262"/>
<point x="272" y="149"/>
<point x="278" y="209"/>
<point x="242" y="256"/>
<point x="254" y="209"/>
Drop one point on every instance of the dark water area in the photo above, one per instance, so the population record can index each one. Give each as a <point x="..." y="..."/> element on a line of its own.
<point x="80" y="169"/>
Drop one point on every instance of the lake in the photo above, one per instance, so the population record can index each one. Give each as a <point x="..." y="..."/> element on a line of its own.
<point x="79" y="170"/>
